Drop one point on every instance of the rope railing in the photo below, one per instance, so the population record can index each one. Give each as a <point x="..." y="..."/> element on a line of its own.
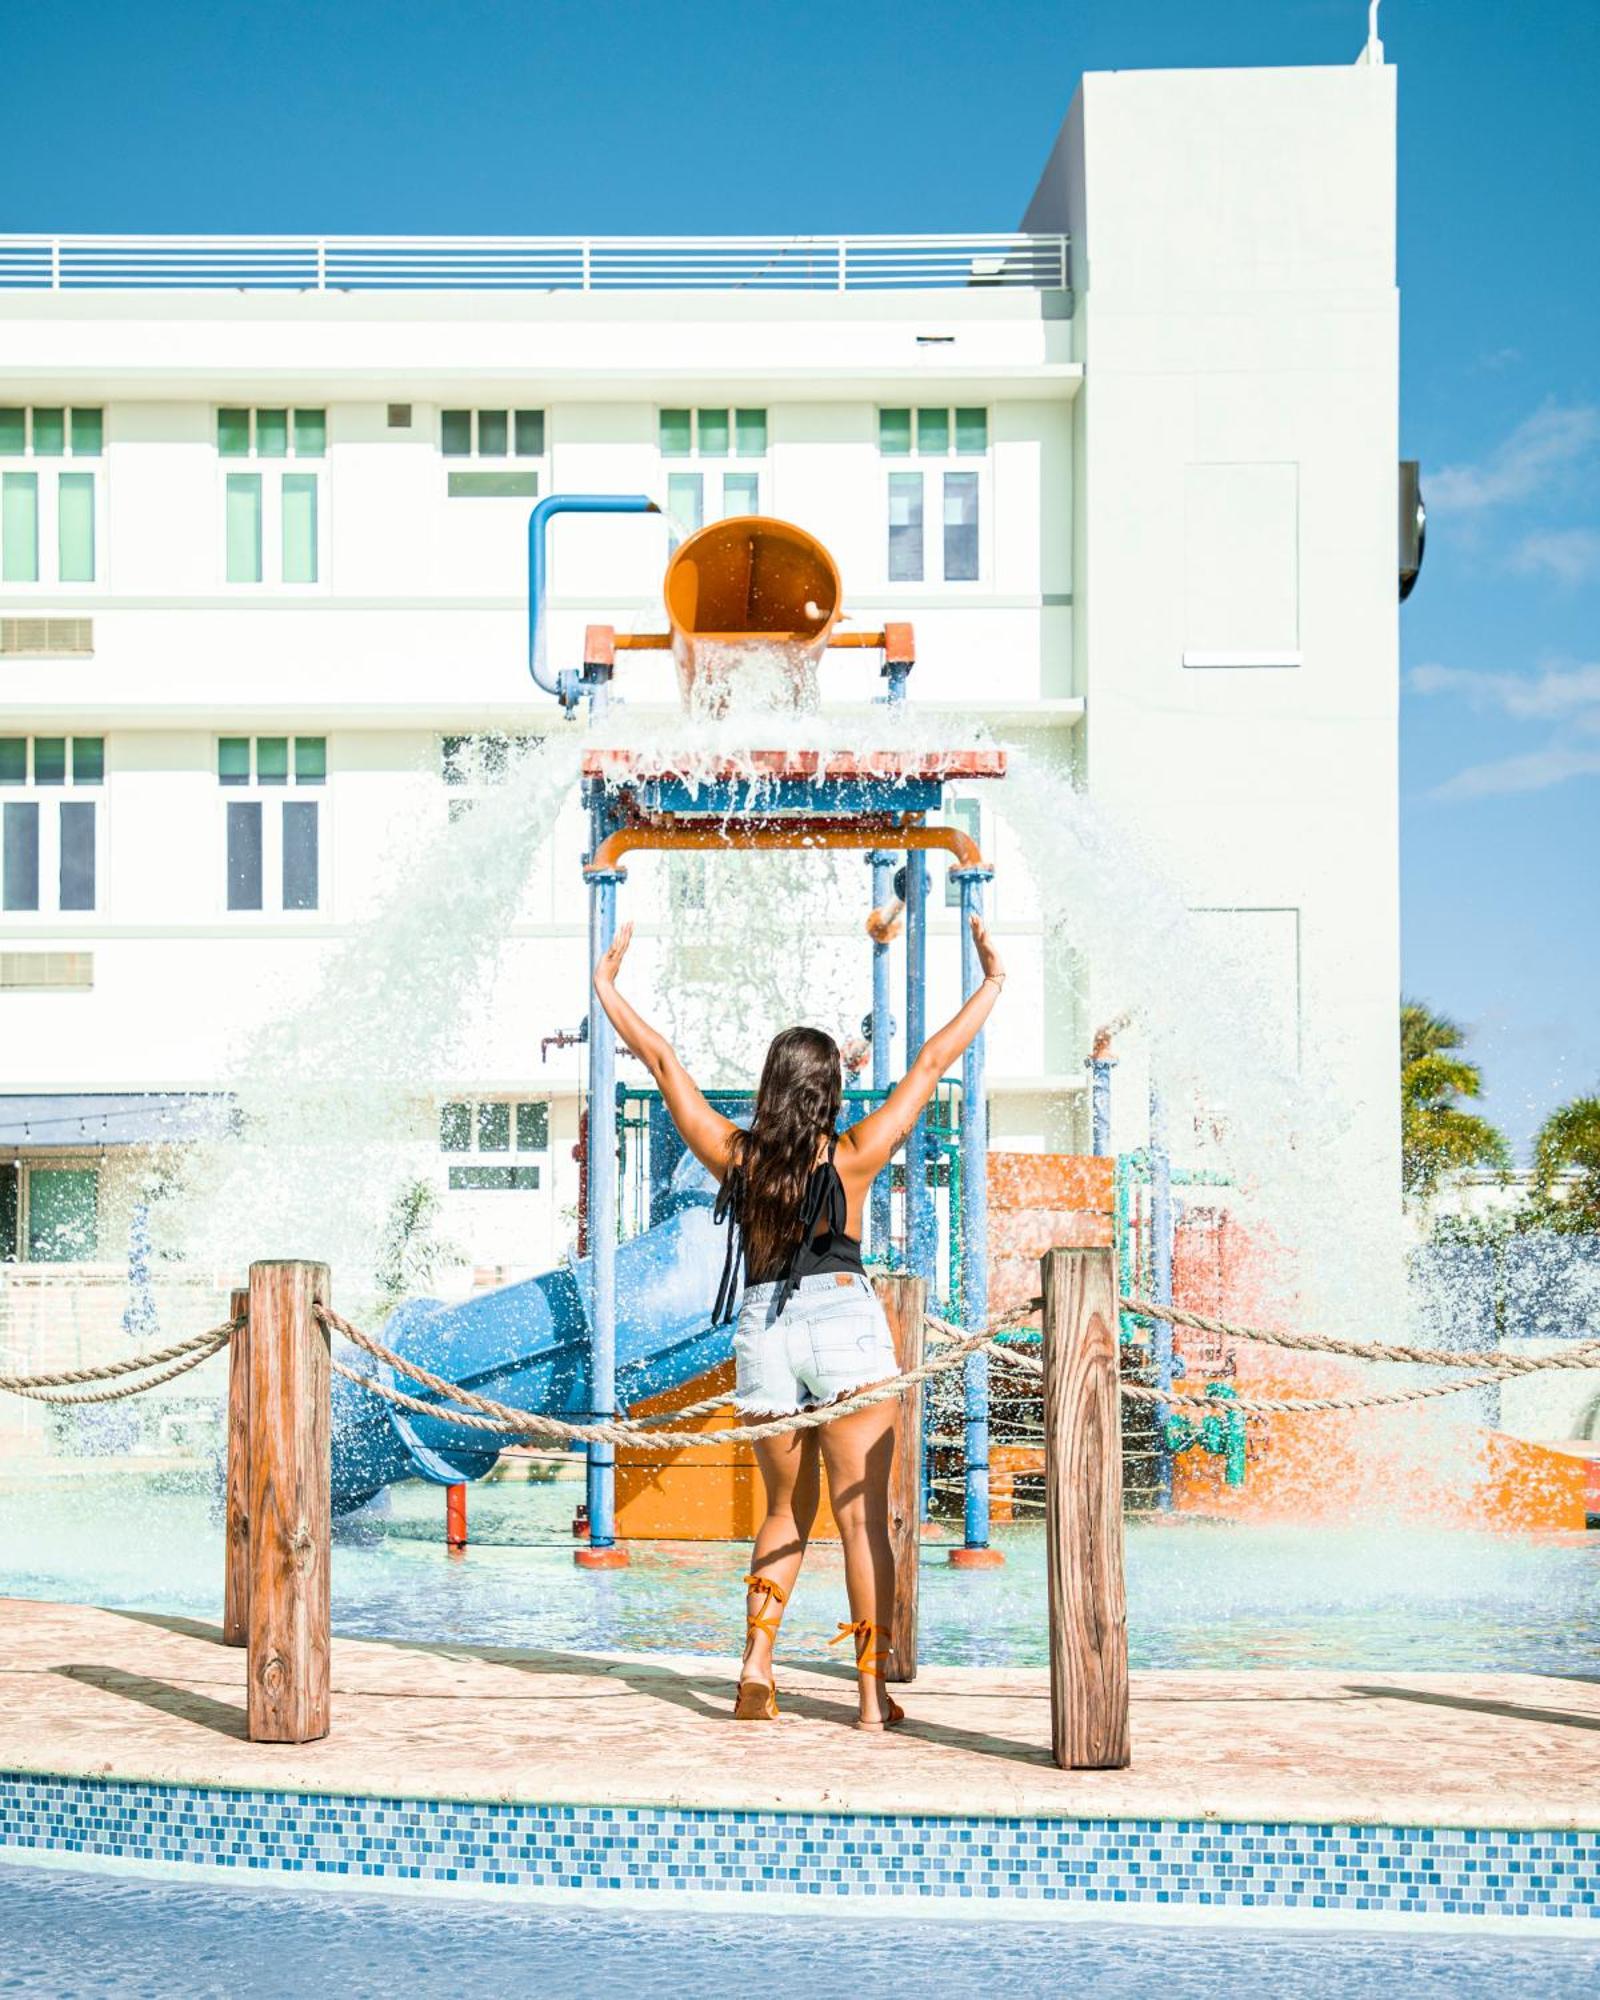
<point x="1365" y="1350"/>
<point x="1495" y="1368"/>
<point x="182" y="1356"/>
<point x="485" y="1413"/>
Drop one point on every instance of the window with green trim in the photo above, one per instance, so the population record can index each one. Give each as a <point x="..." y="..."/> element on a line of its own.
<point x="49" y="833"/>
<point x="272" y="843"/>
<point x="499" y="1134"/>
<point x="493" y="454"/>
<point x="949" y="548"/>
<point x="272" y="513"/>
<point x="708" y="438"/>
<point x="49" y="492"/>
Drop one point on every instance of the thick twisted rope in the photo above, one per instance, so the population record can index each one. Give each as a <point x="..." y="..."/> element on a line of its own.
<point x="484" y="1413"/>
<point x="1285" y="1406"/>
<point x="1585" y="1355"/>
<point x="188" y="1354"/>
<point x="1586" y="1358"/>
<point x="195" y="1355"/>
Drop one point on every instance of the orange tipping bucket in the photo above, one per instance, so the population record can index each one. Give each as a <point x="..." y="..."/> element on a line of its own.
<point x="751" y="603"/>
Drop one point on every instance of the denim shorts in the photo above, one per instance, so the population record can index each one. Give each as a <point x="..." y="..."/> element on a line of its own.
<point x="831" y="1338"/>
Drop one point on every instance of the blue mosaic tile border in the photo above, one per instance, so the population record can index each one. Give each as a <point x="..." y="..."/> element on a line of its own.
<point x="1084" y="1864"/>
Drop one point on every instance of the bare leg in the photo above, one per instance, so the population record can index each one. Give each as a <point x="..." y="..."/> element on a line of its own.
<point x="789" y="1473"/>
<point x="858" y="1452"/>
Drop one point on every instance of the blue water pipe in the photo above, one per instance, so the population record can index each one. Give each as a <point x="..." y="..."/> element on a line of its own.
<point x="1161" y="1287"/>
<point x="1100" y="1068"/>
<point x="566" y="687"/>
<point x="882" y="865"/>
<point x="602" y="1198"/>
<point x="974" y="1221"/>
<point x="921" y="1233"/>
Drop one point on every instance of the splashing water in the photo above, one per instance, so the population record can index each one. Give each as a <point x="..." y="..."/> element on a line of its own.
<point x="335" y="1096"/>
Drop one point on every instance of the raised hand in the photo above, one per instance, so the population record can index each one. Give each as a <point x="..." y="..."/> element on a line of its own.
<point x="611" y="962"/>
<point x="988" y="958"/>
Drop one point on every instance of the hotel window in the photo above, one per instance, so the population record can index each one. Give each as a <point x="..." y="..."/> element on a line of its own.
<point x="968" y="815"/>
<point x="49" y="493"/>
<point x="272" y="515"/>
<point x="712" y="490"/>
<point x="49" y="840"/>
<point x="494" y="1145"/>
<point x="952" y="552"/>
<point x="472" y="765"/>
<point x="274" y="842"/>
<point x="49" y="1214"/>
<point x="501" y="449"/>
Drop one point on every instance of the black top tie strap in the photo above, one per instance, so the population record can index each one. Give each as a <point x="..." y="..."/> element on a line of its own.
<point x="729" y="1200"/>
<point x="816" y="1249"/>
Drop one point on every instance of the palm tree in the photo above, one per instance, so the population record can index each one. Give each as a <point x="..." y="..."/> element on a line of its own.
<point x="1568" y="1140"/>
<point x="1436" y="1136"/>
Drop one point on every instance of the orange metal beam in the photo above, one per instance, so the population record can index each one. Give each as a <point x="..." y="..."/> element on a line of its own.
<point x="660" y="642"/>
<point x="777" y="835"/>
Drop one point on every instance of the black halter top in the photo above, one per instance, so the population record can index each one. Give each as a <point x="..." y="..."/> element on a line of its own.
<point x="815" y="1249"/>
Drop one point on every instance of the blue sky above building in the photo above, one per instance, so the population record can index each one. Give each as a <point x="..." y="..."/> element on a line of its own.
<point x="486" y="116"/>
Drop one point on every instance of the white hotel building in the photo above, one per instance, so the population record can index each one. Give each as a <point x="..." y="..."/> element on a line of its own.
<point x="263" y="590"/>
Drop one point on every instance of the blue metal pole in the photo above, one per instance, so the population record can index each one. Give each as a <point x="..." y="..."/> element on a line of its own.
<point x="974" y="1222"/>
<point x="882" y="1042"/>
<point x="1161" y="1286"/>
<point x="602" y="1165"/>
<point x="566" y="687"/>
<point x="1100" y="1068"/>
<point x="921" y="1232"/>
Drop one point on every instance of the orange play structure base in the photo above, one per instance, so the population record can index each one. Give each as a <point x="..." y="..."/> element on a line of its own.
<point x="976" y="1559"/>
<point x="1328" y="1468"/>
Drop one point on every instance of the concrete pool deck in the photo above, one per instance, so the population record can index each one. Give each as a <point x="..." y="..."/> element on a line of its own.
<point x="99" y="1694"/>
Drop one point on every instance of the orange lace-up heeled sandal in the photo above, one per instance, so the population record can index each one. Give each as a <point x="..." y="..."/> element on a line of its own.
<point x="872" y="1661"/>
<point x="757" y="1701"/>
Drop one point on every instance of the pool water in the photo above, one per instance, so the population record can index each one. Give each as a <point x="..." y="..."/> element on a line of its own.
<point x="70" y="1935"/>
<point x="1199" y="1594"/>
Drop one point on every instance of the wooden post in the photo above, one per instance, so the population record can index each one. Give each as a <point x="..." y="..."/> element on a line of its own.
<point x="903" y="1298"/>
<point x="287" y="1669"/>
<point x="236" y="1503"/>
<point x="1083" y="1512"/>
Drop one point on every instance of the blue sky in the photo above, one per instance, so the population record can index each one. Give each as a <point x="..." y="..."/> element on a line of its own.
<point x="480" y="115"/>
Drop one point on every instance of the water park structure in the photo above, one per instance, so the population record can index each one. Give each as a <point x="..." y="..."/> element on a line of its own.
<point x="527" y="561"/>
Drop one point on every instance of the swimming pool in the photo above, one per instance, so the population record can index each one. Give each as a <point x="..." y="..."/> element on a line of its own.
<point x="69" y="1934"/>
<point x="1199" y="1594"/>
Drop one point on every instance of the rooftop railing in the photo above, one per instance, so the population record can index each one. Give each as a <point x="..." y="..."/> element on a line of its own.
<point x="532" y="263"/>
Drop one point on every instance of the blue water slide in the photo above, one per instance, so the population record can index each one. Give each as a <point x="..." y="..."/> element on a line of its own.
<point x="528" y="1344"/>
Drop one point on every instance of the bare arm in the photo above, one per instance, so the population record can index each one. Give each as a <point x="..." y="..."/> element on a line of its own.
<point x="867" y="1147"/>
<point x="705" y="1132"/>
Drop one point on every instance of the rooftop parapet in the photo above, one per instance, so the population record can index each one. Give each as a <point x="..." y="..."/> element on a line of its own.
<point x="533" y="263"/>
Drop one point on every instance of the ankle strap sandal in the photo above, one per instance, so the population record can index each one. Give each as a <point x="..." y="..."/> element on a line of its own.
<point x="757" y="1701"/>
<point x="873" y="1661"/>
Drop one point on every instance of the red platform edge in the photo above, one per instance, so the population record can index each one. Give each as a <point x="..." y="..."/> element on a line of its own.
<point x="814" y="764"/>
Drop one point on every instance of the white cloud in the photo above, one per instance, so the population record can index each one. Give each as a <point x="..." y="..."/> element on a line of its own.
<point x="1533" y="771"/>
<point x="1535" y="456"/>
<point x="1570" y="555"/>
<point x="1568" y="696"/>
<point x="1553" y="692"/>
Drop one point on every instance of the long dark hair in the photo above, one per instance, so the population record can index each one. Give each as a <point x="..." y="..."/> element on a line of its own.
<point x="797" y="1104"/>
